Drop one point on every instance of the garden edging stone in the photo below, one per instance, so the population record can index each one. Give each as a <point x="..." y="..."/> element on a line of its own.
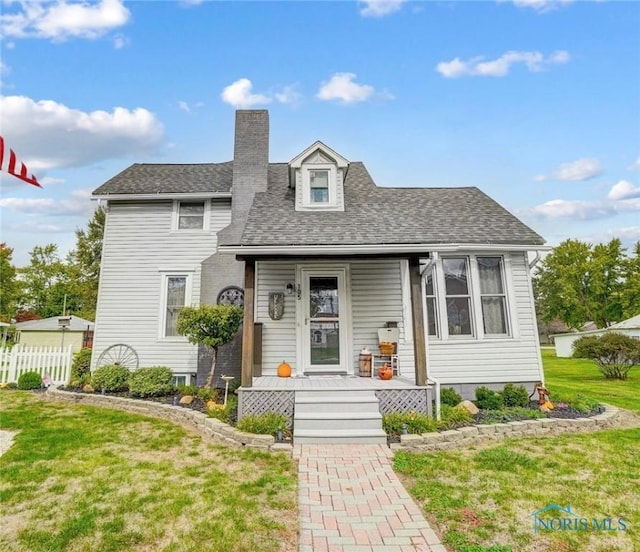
<point x="464" y="436"/>
<point x="208" y="427"/>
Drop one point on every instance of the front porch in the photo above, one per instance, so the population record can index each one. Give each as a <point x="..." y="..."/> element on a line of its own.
<point x="281" y="395"/>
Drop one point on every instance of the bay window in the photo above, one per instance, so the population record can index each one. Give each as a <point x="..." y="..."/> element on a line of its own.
<point x="466" y="297"/>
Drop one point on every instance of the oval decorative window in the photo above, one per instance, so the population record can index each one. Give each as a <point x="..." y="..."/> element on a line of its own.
<point x="231" y="295"/>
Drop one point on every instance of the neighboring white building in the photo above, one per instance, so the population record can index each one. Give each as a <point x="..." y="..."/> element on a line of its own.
<point x="447" y="266"/>
<point x="564" y="342"/>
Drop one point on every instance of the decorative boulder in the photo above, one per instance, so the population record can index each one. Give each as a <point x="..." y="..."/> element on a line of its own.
<point x="187" y="399"/>
<point x="469" y="407"/>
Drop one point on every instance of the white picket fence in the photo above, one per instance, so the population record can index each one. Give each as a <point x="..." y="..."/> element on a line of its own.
<point x="54" y="362"/>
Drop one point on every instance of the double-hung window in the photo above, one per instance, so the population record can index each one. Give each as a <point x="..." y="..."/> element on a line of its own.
<point x="191" y="215"/>
<point x="319" y="186"/>
<point x="457" y="295"/>
<point x="175" y="295"/>
<point x="432" y="300"/>
<point x="492" y="295"/>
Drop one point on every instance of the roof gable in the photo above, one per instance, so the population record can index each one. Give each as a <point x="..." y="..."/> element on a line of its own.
<point x="318" y="153"/>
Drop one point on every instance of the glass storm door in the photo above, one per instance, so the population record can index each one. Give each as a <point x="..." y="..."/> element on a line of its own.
<point x="323" y="331"/>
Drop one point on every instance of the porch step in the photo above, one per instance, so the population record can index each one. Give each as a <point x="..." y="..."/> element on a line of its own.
<point x="337" y="416"/>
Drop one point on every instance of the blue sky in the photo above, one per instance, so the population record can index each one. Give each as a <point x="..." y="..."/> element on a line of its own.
<point x="535" y="102"/>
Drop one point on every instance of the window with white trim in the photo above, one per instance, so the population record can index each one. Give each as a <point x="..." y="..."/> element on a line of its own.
<point x="432" y="309"/>
<point x="176" y="293"/>
<point x="467" y="297"/>
<point x="492" y="295"/>
<point x="457" y="295"/>
<point x="191" y="215"/>
<point x="318" y="186"/>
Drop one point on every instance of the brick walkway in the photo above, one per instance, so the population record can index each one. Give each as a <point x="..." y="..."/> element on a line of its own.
<point x="352" y="501"/>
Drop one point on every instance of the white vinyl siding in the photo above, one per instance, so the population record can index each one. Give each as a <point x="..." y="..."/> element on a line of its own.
<point x="140" y="249"/>
<point x="278" y="336"/>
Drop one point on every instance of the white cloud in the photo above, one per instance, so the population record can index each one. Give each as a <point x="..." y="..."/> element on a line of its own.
<point x="582" y="169"/>
<point x="48" y="206"/>
<point x="479" y="67"/>
<point x="289" y="95"/>
<point x="341" y="87"/>
<point x="29" y="225"/>
<point x="120" y="41"/>
<point x="379" y="8"/>
<point x="635" y="166"/>
<point x="184" y="106"/>
<point x="189" y="3"/>
<point x="61" y="19"/>
<point x="577" y="209"/>
<point x="46" y="134"/>
<point x="238" y="94"/>
<point x="541" y="6"/>
<point x="624" y="190"/>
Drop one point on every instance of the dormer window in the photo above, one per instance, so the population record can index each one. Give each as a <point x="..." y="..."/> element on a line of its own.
<point x="318" y="177"/>
<point x="319" y="186"/>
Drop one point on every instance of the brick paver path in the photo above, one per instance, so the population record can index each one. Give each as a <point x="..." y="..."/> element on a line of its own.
<point x="352" y="501"/>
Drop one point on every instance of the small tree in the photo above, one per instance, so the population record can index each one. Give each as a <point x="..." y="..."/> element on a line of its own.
<point x="211" y="326"/>
<point x="614" y="353"/>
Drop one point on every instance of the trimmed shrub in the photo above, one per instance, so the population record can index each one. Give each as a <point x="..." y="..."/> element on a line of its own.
<point x="452" y="417"/>
<point x="30" y="380"/>
<point x="154" y="381"/>
<point x="487" y="399"/>
<point x="515" y="395"/>
<point x="263" y="424"/>
<point x="81" y="368"/>
<point x="188" y="390"/>
<point x="614" y="353"/>
<point x="111" y="377"/>
<point x="415" y="423"/>
<point x="450" y="397"/>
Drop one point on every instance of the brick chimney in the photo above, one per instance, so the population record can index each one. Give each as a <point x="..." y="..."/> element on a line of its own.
<point x="250" y="165"/>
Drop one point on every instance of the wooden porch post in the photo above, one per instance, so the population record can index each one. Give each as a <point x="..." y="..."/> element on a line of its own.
<point x="419" y="344"/>
<point x="247" y="325"/>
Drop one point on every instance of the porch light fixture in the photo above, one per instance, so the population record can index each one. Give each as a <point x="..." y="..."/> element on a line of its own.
<point x="290" y="287"/>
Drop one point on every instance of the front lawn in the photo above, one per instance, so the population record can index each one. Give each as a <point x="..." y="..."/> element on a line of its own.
<point x="84" y="478"/>
<point x="483" y="498"/>
<point x="568" y="375"/>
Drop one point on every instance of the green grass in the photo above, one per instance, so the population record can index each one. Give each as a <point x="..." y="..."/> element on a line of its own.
<point x="482" y="498"/>
<point x="83" y="478"/>
<point x="568" y="375"/>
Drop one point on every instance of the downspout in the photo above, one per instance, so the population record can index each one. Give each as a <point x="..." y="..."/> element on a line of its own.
<point x="535" y="260"/>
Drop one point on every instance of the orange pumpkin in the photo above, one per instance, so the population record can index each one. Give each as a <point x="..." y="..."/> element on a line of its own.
<point x="385" y="373"/>
<point x="284" y="369"/>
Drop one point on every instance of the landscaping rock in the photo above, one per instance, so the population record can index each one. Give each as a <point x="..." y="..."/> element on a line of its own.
<point x="187" y="399"/>
<point x="469" y="407"/>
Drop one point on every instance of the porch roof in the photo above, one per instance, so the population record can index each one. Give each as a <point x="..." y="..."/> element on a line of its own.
<point x="380" y="216"/>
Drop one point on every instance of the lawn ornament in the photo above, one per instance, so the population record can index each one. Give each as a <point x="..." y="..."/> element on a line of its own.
<point x="543" y="394"/>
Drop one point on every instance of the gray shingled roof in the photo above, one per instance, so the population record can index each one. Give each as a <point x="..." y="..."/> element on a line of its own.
<point x="143" y="178"/>
<point x="376" y="215"/>
<point x="76" y="324"/>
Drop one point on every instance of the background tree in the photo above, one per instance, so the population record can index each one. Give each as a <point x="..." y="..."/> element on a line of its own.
<point x="630" y="293"/>
<point x="578" y="282"/>
<point x="9" y="284"/>
<point x="46" y="281"/>
<point x="84" y="264"/>
<point x="211" y="326"/>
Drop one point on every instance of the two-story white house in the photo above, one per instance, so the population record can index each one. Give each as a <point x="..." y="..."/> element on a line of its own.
<point x="322" y="259"/>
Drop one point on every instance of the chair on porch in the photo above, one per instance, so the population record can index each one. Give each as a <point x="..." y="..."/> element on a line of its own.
<point x="386" y="335"/>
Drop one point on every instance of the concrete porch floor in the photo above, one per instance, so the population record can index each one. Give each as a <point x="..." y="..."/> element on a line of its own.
<point x="333" y="382"/>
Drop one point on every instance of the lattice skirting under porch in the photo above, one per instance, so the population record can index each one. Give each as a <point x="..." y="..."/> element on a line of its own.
<point x="405" y="400"/>
<point x="259" y="402"/>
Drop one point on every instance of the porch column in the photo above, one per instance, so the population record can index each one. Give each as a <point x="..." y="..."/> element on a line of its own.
<point x="247" y="325"/>
<point x="417" y="314"/>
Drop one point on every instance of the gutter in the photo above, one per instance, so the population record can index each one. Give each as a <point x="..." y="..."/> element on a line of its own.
<point x="161" y="196"/>
<point x="392" y="248"/>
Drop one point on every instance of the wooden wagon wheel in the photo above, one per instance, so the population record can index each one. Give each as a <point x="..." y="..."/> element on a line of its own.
<point x="121" y="354"/>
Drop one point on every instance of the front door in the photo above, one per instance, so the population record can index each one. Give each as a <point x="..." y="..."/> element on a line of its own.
<point x="323" y="330"/>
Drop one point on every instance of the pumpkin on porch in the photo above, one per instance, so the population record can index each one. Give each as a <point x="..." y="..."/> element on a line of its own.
<point x="385" y="373"/>
<point x="284" y="369"/>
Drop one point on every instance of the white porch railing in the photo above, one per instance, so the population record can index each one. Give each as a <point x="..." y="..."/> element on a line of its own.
<point x="54" y="362"/>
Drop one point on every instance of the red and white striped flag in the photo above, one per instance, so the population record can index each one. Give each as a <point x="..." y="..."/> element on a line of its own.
<point x="22" y="173"/>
